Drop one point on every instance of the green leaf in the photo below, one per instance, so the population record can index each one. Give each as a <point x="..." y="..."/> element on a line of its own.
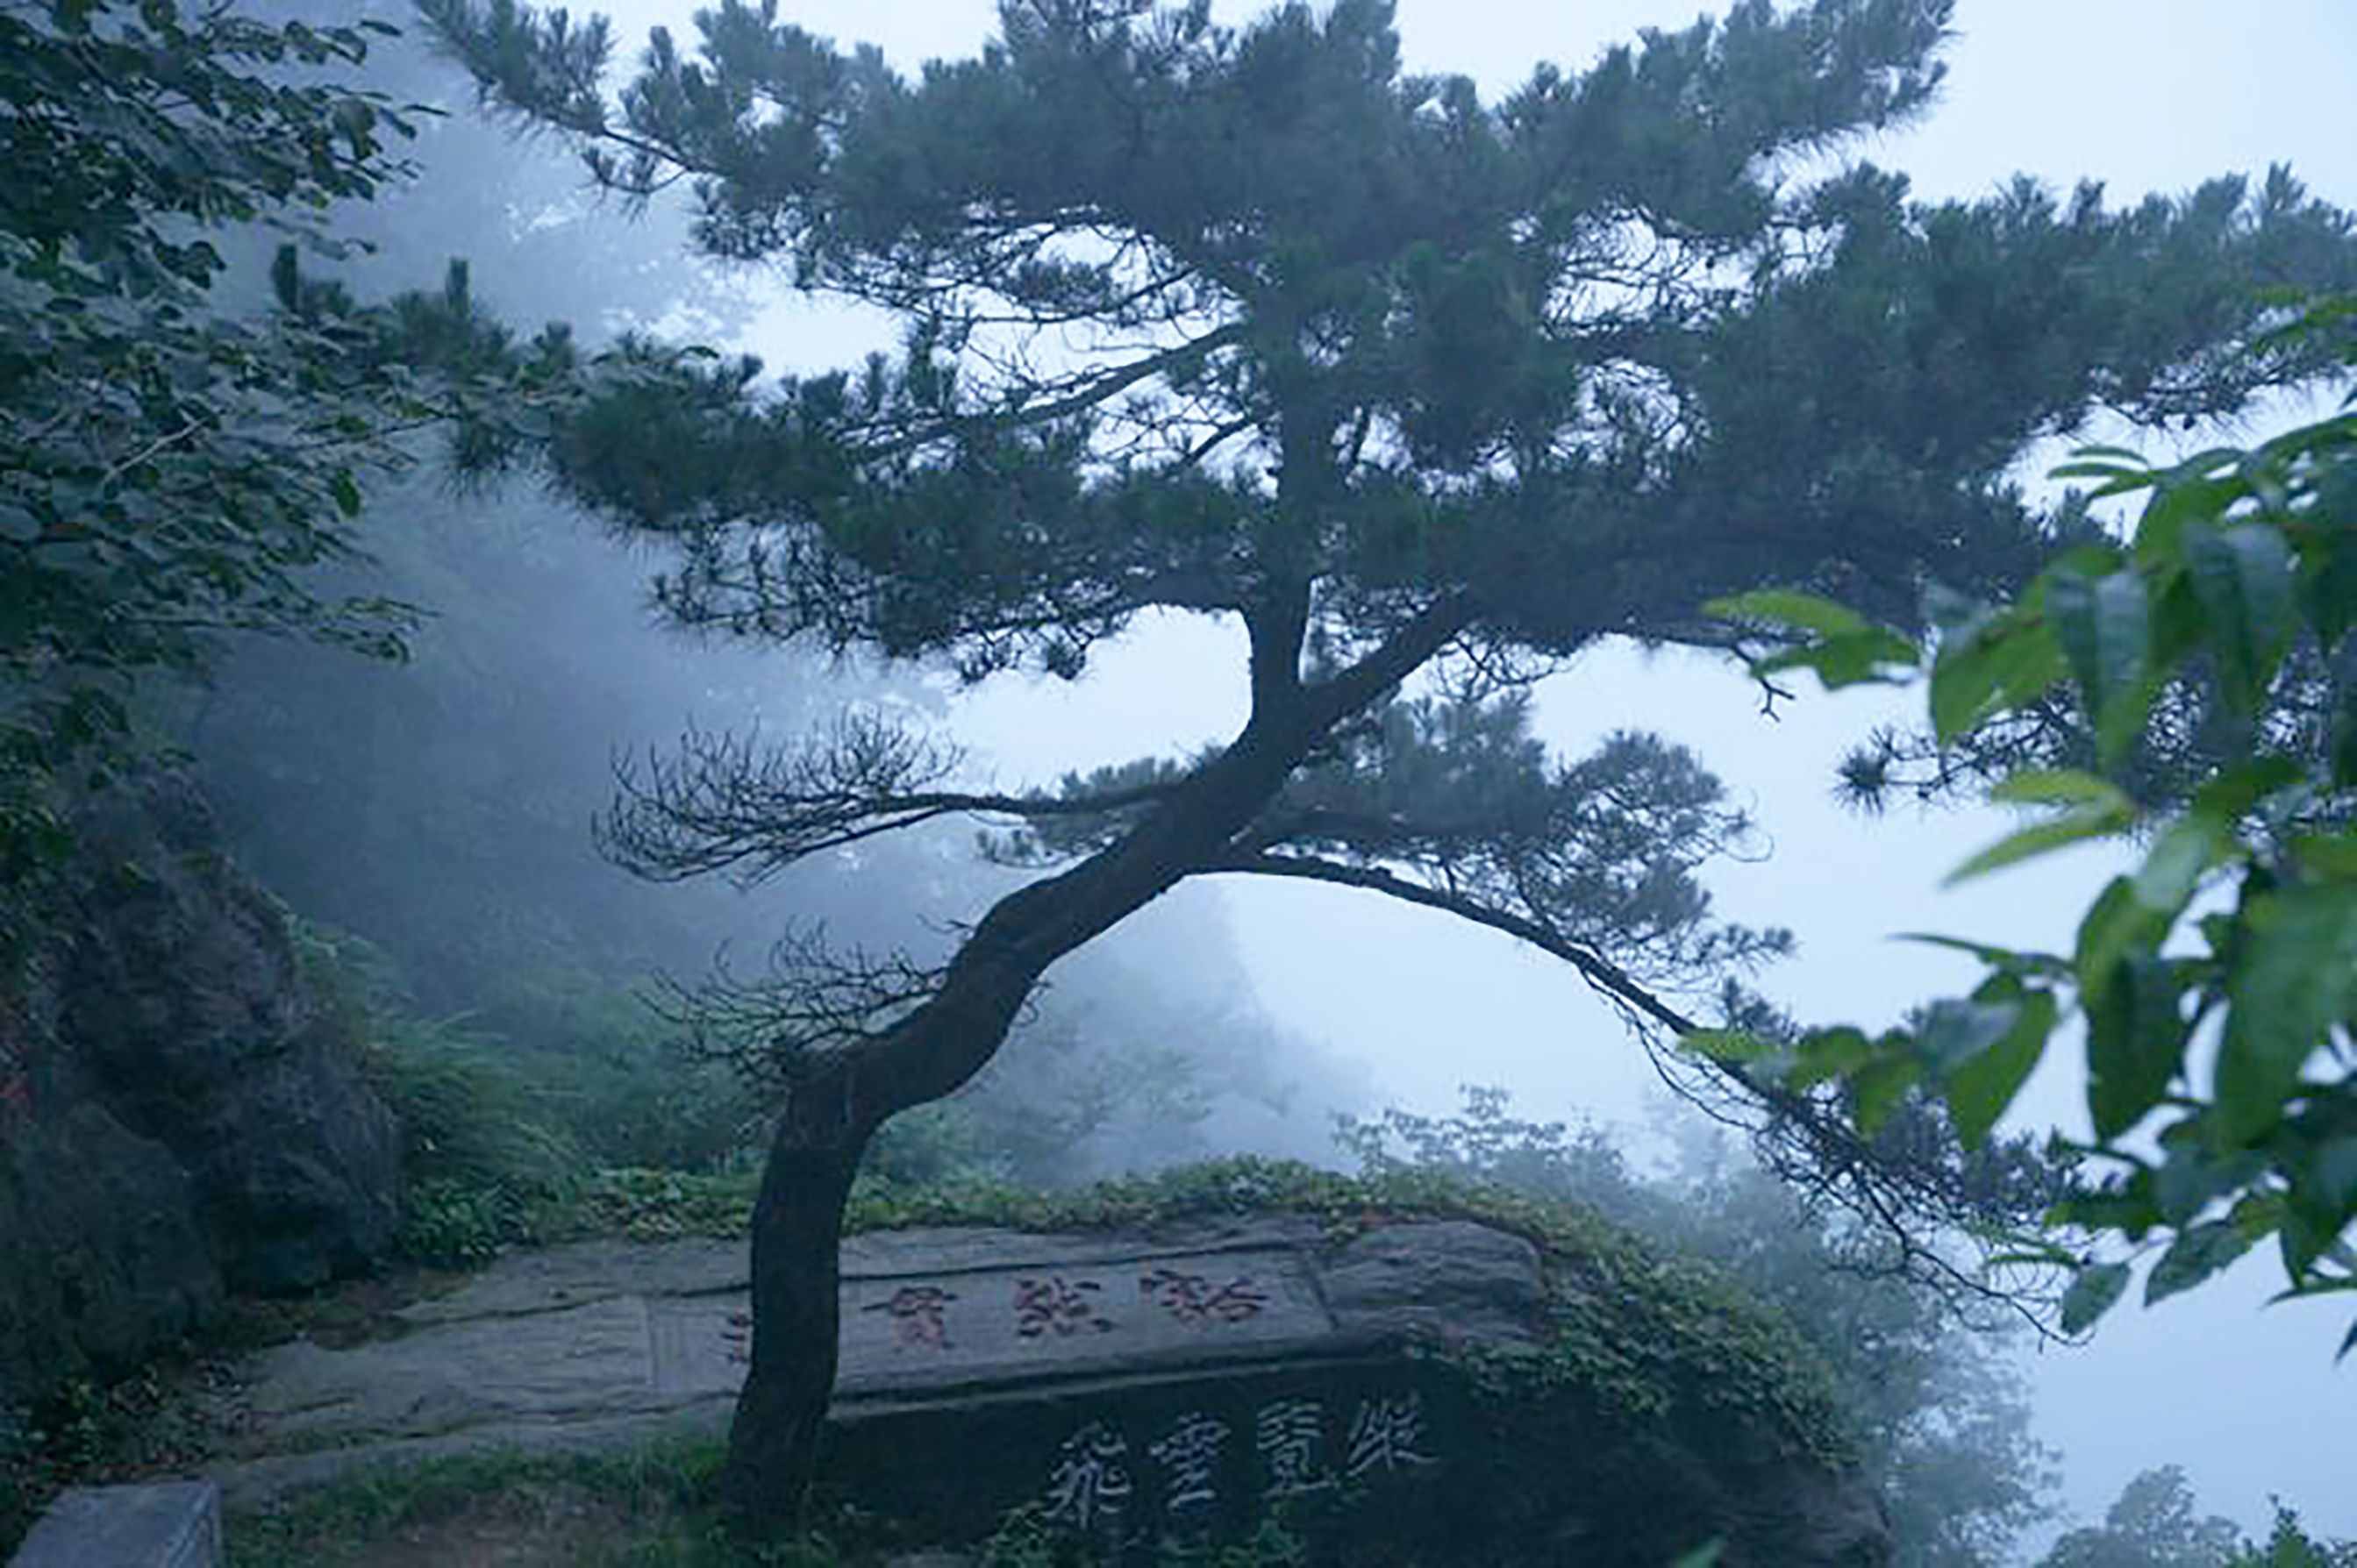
<point x="2185" y="500"/>
<point x="2092" y="1295"/>
<point x="2183" y="853"/>
<point x="2301" y="1241"/>
<point x="2191" y="1177"/>
<point x="2325" y="854"/>
<point x="2129" y="455"/>
<point x="1876" y="1088"/>
<point x="1846" y="650"/>
<point x="2136" y="1042"/>
<point x="2344" y="742"/>
<point x="1790" y="606"/>
<point x="2178" y="625"/>
<point x="1954" y="1032"/>
<point x="2117" y="924"/>
<point x="1981" y="1086"/>
<point x="346" y="492"/>
<point x="2258" y="1214"/>
<point x="2073" y="826"/>
<point x="2081" y="468"/>
<point x="2332" y="1171"/>
<point x="2328" y="576"/>
<point x="2042" y="965"/>
<point x="2130" y="1210"/>
<point x="1729" y="1045"/>
<point x="2295" y="977"/>
<point x="2101" y="622"/>
<point x="1849" y="659"/>
<point x="2060" y="787"/>
<point x="2232" y="792"/>
<point x="1826" y="1054"/>
<point x="2243" y="575"/>
<point x="2198" y="1252"/>
<point x="1999" y="661"/>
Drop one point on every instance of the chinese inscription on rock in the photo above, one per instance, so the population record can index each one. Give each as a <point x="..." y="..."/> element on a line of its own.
<point x="1091" y="1480"/>
<point x="915" y="1312"/>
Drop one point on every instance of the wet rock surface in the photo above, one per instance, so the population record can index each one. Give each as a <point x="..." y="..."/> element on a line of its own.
<point x="1123" y="1388"/>
<point x="175" y="1120"/>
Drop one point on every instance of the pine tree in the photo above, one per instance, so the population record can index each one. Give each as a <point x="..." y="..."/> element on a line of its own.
<point x="1249" y="323"/>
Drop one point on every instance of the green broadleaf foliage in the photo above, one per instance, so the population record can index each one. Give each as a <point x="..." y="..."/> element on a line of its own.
<point x="1827" y="1054"/>
<point x="2074" y="826"/>
<point x="2184" y="852"/>
<point x="2328" y="576"/>
<point x="2234" y="790"/>
<point x="2116" y="925"/>
<point x="2092" y="1295"/>
<point x="2007" y="658"/>
<point x="1877" y="1089"/>
<point x="1844" y="648"/>
<point x="1790" y="607"/>
<point x="1954" y="1032"/>
<point x="2181" y="499"/>
<point x="2192" y="1176"/>
<point x="2331" y="856"/>
<point x="2101" y="624"/>
<point x="2009" y="961"/>
<point x="2061" y="787"/>
<point x="1981" y="1087"/>
<point x="2136" y="1042"/>
<point x="2297" y="978"/>
<point x="2242" y="576"/>
<point x="2198" y="1252"/>
<point x="1851" y="659"/>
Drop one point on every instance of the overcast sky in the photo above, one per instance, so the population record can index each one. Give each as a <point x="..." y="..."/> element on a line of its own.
<point x="2141" y="94"/>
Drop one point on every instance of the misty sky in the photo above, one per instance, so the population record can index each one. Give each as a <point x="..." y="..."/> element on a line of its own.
<point x="2142" y="96"/>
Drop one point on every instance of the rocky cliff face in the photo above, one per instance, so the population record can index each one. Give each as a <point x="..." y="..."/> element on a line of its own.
<point x="175" y="1120"/>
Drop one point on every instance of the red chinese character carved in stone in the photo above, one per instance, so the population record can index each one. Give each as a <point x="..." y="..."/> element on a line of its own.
<point x="916" y="1315"/>
<point x="1190" y="1298"/>
<point x="1058" y="1307"/>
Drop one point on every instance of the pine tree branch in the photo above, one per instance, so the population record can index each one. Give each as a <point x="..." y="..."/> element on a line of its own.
<point x="1605" y="977"/>
<point x="1805" y="1137"/>
<point x="720" y="805"/>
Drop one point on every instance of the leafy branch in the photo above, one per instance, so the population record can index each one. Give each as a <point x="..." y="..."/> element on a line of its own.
<point x="2240" y="919"/>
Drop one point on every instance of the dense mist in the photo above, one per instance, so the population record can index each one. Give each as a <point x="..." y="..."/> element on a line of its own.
<point x="1464" y="937"/>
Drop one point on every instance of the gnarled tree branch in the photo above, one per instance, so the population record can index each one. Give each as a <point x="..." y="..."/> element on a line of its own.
<point x="722" y="804"/>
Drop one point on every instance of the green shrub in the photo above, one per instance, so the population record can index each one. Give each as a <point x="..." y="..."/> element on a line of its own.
<point x="484" y="1144"/>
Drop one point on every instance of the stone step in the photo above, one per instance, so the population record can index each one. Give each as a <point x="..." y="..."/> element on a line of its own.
<point x="165" y="1524"/>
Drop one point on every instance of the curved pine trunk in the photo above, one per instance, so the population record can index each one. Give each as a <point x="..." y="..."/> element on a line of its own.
<point x="773" y="1442"/>
<point x="773" y="1445"/>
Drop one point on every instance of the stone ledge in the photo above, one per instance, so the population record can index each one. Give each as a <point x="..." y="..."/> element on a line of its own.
<point x="168" y="1524"/>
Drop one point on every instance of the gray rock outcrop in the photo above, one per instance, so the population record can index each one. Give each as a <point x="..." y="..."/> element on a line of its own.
<point x="1119" y="1387"/>
<point x="177" y="1120"/>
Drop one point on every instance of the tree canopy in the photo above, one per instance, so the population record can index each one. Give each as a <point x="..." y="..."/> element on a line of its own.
<point x="170" y="471"/>
<point x="1250" y="322"/>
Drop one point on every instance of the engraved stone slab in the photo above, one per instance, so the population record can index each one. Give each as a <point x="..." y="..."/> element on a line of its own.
<point x="171" y="1524"/>
<point x="943" y="1329"/>
<point x="1128" y="1388"/>
<point x="553" y="1366"/>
